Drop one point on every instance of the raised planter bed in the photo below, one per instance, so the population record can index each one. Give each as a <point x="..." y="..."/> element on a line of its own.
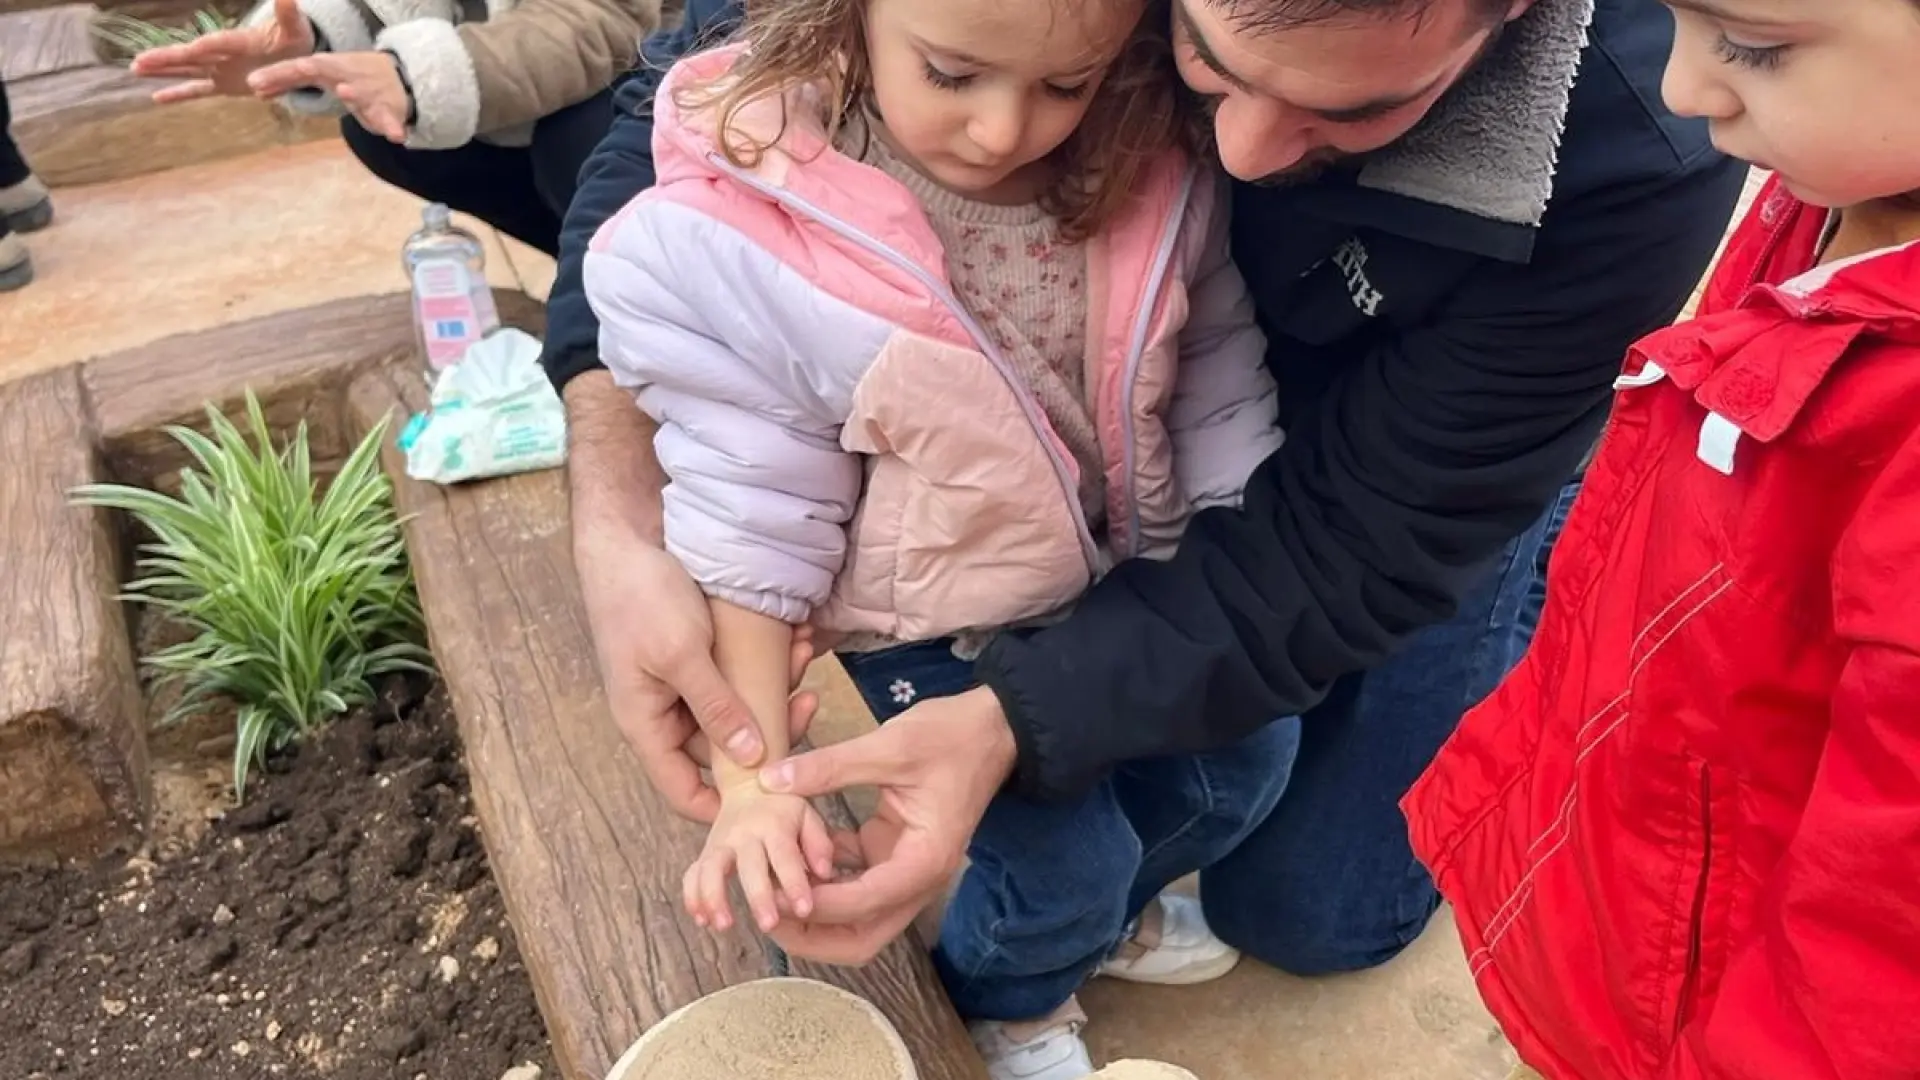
<point x="586" y="860"/>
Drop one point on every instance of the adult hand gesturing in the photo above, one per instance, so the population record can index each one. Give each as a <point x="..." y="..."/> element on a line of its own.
<point x="368" y="84"/>
<point x="220" y="63"/>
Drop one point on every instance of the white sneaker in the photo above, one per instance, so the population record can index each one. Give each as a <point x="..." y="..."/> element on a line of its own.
<point x="1171" y="946"/>
<point x="1049" y="1048"/>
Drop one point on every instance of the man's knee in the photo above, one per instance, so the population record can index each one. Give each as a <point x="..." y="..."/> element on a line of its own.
<point x="1285" y="927"/>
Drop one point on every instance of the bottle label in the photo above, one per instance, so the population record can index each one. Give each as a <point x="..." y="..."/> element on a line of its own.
<point x="444" y="308"/>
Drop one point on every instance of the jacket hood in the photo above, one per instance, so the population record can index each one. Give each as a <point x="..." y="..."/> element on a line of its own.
<point x="798" y="159"/>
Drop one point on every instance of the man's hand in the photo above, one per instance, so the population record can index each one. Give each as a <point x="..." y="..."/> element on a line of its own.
<point x="220" y="63"/>
<point x="653" y="632"/>
<point x="937" y="766"/>
<point x="367" y="83"/>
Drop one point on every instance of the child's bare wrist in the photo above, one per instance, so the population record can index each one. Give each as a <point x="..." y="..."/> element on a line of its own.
<point x="744" y="788"/>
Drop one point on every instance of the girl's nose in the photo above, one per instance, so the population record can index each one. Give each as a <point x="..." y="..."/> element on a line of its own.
<point x="1693" y="85"/>
<point x="998" y="127"/>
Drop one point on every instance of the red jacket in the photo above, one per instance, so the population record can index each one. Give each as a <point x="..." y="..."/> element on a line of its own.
<point x="1683" y="838"/>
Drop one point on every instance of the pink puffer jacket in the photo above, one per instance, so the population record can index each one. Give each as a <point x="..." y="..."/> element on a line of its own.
<point x="844" y="444"/>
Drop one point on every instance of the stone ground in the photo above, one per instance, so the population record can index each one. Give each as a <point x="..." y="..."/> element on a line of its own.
<point x="189" y="249"/>
<point x="137" y="260"/>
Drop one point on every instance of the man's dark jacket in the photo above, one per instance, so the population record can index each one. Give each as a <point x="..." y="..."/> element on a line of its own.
<point x="1444" y="323"/>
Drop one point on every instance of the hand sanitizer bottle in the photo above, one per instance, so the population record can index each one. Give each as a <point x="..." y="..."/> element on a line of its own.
<point x="452" y="302"/>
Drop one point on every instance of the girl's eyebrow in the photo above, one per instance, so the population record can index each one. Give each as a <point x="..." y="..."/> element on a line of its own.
<point x="949" y="54"/>
<point x="1718" y="9"/>
<point x="1086" y="70"/>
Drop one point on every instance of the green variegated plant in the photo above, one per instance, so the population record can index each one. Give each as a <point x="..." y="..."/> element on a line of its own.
<point x="123" y="37"/>
<point x="298" y="599"/>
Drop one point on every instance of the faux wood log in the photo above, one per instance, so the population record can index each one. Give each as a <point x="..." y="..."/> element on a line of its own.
<point x="588" y="859"/>
<point x="73" y="751"/>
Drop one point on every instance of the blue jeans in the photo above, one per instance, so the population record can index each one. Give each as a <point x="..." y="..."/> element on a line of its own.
<point x="1328" y="882"/>
<point x="1053" y="887"/>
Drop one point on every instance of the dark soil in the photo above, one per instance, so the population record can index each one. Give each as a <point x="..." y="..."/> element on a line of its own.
<point x="341" y="924"/>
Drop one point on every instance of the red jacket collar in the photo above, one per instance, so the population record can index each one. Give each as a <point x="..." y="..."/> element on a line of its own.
<point x="1759" y="362"/>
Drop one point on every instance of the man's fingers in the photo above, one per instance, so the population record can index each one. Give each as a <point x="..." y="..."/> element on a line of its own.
<point x="187" y="91"/>
<point x="800" y="655"/>
<point x="655" y="737"/>
<point x="801" y="709"/>
<point x="817" y="847"/>
<point x="658" y="733"/>
<point x="848" y="853"/>
<point x="909" y="879"/>
<point x="717" y="708"/>
<point x="685" y="790"/>
<point x="872" y="758"/>
<point x="675" y="776"/>
<point x="846" y="946"/>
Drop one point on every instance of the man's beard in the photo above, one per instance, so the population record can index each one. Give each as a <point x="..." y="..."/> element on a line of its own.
<point x="1316" y="164"/>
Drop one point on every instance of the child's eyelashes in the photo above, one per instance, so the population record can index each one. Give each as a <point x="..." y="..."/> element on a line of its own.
<point x="942" y="79"/>
<point x="948" y="81"/>
<point x="1757" y="57"/>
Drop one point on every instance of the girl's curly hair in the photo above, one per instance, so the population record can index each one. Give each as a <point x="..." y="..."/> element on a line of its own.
<point x="1139" y="112"/>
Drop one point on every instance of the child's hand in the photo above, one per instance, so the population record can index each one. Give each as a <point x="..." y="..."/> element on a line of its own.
<point x="765" y="838"/>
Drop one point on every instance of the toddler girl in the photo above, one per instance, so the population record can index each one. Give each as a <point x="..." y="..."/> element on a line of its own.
<point x="936" y="315"/>
<point x="1682" y="839"/>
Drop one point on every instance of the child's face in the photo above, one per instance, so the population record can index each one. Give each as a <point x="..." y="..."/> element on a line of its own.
<point x="1824" y="92"/>
<point x="974" y="91"/>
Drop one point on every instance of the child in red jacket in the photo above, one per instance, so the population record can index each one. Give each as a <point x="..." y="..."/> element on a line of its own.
<point x="1683" y="838"/>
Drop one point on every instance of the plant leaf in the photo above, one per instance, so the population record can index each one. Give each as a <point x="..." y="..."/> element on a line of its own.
<point x="298" y="593"/>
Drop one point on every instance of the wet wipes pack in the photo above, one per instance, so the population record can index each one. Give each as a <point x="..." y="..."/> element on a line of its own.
<point x="492" y="413"/>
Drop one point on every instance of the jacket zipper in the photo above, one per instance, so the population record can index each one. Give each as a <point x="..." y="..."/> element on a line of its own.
<point x="1690" y="985"/>
<point x="1136" y="351"/>
<point x="1036" y="418"/>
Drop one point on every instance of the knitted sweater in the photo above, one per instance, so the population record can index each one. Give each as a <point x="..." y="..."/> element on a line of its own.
<point x="1026" y="288"/>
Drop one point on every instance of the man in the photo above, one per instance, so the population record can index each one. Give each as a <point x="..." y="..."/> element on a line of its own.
<point x="1456" y="215"/>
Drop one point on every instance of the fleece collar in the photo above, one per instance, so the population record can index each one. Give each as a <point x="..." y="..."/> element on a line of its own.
<point x="1477" y="172"/>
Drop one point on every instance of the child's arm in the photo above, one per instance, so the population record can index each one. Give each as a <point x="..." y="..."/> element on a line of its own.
<point x="1225" y="413"/>
<point x="765" y="838"/>
<point x="1825" y="980"/>
<point x="751" y="651"/>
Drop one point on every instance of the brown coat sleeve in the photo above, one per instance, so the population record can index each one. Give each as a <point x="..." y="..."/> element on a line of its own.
<point x="545" y="55"/>
<point x="521" y="64"/>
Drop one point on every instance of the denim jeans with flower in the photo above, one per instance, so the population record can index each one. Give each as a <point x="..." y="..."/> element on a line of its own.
<point x="1053" y="887"/>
